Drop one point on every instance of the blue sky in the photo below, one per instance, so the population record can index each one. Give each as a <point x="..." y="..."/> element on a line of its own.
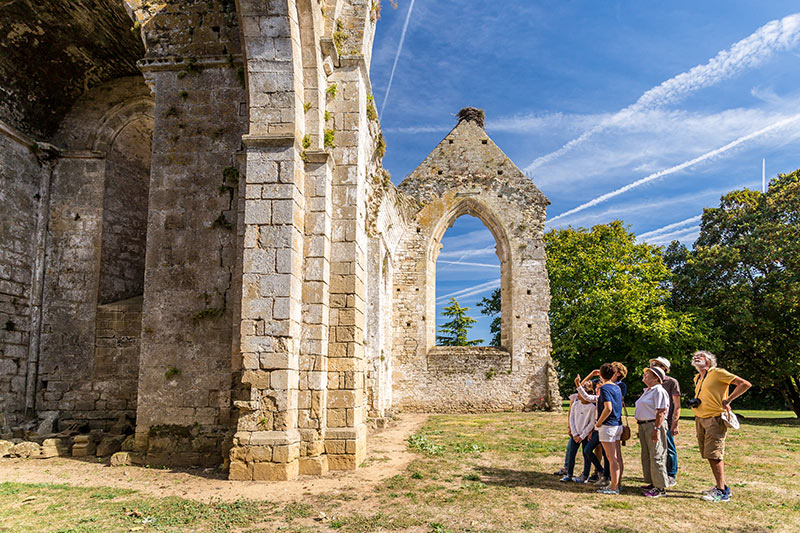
<point x="626" y="110"/>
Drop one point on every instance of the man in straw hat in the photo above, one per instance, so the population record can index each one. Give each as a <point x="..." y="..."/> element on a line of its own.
<point x="673" y="388"/>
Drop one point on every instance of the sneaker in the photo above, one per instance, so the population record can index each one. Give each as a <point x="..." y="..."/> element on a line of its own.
<point x="562" y="472"/>
<point x="607" y="490"/>
<point x="602" y="481"/>
<point x="580" y="479"/>
<point x="671" y="481"/>
<point x="593" y="478"/>
<point x="655" y="493"/>
<point x="712" y="489"/>
<point x="717" y="495"/>
<point x="566" y="479"/>
<point x="647" y="487"/>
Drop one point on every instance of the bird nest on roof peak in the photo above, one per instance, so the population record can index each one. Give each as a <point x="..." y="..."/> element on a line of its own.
<point x="472" y="114"/>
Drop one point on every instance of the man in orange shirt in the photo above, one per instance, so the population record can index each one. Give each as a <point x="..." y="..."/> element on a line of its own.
<point x="710" y="401"/>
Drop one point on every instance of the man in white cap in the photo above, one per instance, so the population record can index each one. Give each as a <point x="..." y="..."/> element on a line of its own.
<point x="673" y="388"/>
<point x="651" y="414"/>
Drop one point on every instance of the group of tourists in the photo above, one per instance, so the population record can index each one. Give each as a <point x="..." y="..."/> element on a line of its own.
<point x="596" y="424"/>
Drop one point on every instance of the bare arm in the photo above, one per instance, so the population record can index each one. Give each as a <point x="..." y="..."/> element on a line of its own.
<point x="741" y="386"/>
<point x="676" y="415"/>
<point x="569" y="426"/>
<point x="605" y="414"/>
<point x="660" y="415"/>
<point x="585" y="395"/>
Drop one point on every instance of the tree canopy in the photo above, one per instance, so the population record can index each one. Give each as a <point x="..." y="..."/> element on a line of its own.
<point x="455" y="331"/>
<point x="491" y="307"/>
<point x="743" y="276"/>
<point x="610" y="302"/>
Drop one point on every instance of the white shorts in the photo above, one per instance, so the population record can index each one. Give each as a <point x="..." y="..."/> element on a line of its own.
<point x="609" y="433"/>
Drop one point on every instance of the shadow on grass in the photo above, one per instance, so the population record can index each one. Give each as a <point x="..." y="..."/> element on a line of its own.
<point x="542" y="480"/>
<point x="785" y="422"/>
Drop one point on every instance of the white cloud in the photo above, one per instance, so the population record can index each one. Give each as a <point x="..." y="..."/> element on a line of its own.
<point x="656" y="139"/>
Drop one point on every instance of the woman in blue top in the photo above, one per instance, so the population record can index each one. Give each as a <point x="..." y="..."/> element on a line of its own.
<point x="609" y="425"/>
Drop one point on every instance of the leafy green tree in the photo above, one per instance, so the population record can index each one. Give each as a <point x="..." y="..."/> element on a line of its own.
<point x="744" y="276"/>
<point x="491" y="307"/>
<point x="454" y="332"/>
<point x="610" y="302"/>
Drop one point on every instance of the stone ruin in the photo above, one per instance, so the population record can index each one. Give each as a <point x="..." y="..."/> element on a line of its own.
<point x="198" y="240"/>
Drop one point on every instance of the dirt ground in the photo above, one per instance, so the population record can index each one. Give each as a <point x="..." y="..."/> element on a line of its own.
<point x="387" y="455"/>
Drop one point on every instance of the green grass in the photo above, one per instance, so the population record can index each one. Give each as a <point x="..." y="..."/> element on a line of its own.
<point x="472" y="473"/>
<point x="493" y="472"/>
<point x="63" y="508"/>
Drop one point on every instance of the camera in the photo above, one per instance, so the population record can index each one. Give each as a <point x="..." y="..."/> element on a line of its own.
<point x="694" y="402"/>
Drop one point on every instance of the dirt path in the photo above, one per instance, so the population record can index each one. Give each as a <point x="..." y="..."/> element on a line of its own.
<point x="387" y="455"/>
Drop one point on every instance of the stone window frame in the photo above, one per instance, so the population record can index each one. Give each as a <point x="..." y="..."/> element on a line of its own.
<point x="473" y="207"/>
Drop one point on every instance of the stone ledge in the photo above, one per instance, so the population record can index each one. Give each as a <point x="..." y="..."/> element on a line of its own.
<point x="279" y="139"/>
<point x="179" y="63"/>
<point x="317" y="156"/>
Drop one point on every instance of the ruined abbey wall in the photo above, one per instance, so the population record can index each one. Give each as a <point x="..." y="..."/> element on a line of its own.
<point x="19" y="201"/>
<point x="209" y="244"/>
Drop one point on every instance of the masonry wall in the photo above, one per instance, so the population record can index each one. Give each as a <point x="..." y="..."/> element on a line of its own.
<point x="191" y="284"/>
<point x="116" y="354"/>
<point x="19" y="205"/>
<point x="102" y="162"/>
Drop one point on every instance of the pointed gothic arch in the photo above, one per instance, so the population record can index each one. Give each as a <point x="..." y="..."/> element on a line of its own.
<point x="492" y="221"/>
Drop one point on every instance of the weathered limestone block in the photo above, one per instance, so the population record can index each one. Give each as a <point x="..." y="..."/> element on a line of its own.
<point x="5" y="448"/>
<point x="83" y="446"/>
<point x="110" y="445"/>
<point x="129" y="444"/>
<point x="313" y="466"/>
<point x="26" y="449"/>
<point x="126" y="458"/>
<point x="240" y="471"/>
<point x="55" y="448"/>
<point x="275" y="471"/>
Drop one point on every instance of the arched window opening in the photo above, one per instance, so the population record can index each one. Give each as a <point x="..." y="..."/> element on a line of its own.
<point x="125" y="202"/>
<point x="468" y="286"/>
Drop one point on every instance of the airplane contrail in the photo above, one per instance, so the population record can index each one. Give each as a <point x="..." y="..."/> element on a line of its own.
<point x="669" y="227"/>
<point x="466" y="263"/>
<point x="469" y="291"/>
<point x="669" y="237"/>
<point x="676" y="168"/>
<point x="396" y="57"/>
<point x="776" y="35"/>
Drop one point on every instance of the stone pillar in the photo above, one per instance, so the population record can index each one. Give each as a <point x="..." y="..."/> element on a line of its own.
<point x="345" y="440"/>
<point x="184" y="395"/>
<point x="313" y="395"/>
<point x="267" y="443"/>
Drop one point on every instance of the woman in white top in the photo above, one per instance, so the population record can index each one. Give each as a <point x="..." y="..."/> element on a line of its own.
<point x="651" y="409"/>
<point x="582" y="416"/>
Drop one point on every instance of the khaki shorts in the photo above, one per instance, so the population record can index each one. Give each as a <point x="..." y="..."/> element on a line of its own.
<point x="711" y="437"/>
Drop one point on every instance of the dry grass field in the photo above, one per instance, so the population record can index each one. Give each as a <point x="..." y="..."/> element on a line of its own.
<point x="471" y="473"/>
